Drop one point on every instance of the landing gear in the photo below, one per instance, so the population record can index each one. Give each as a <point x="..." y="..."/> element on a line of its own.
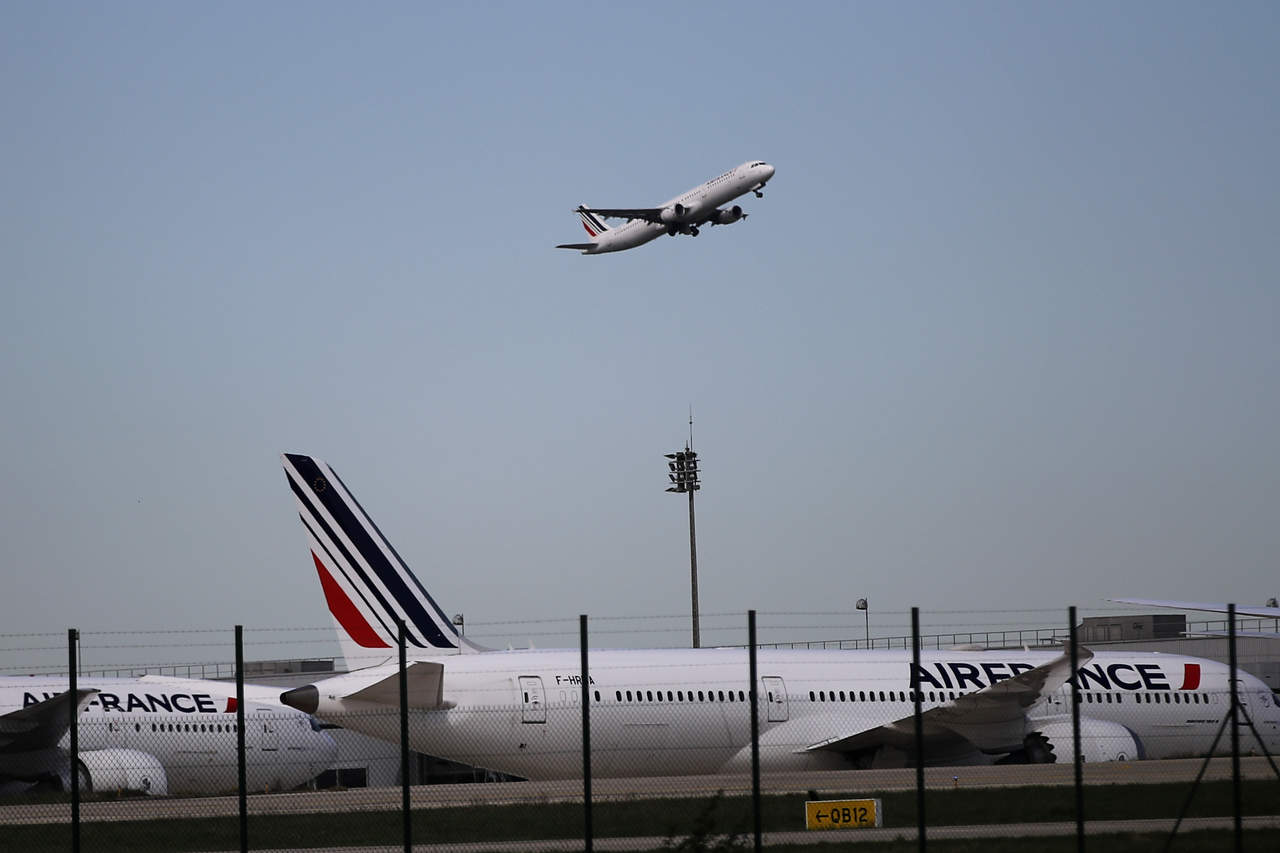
<point x="759" y="191"/>
<point x="671" y="230"/>
<point x="693" y="232"/>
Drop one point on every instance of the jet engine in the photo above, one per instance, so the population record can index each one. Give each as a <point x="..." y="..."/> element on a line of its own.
<point x="674" y="214"/>
<point x="1100" y="740"/>
<point x="724" y="216"/>
<point x="123" y="770"/>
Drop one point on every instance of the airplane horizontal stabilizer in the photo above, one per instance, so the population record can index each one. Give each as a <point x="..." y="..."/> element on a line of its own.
<point x="426" y="688"/>
<point x="582" y="246"/>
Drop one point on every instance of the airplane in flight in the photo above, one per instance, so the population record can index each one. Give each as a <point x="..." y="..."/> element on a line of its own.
<point x="687" y="711"/>
<point x="154" y="734"/>
<point x="684" y="214"/>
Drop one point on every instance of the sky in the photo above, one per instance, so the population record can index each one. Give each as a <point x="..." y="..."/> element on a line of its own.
<point x="1003" y="335"/>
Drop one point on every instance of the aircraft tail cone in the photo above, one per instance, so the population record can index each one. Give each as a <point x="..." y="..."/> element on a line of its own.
<point x="305" y="699"/>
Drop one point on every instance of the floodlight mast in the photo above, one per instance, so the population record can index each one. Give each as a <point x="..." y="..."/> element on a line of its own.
<point x="683" y="473"/>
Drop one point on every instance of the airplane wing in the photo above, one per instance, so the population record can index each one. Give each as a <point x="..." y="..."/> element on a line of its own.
<point x="426" y="688"/>
<point x="38" y="726"/>
<point x="992" y="719"/>
<point x="1206" y="606"/>
<point x="648" y="214"/>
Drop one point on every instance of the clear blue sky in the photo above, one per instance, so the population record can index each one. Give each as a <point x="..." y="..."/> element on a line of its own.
<point x="1003" y="334"/>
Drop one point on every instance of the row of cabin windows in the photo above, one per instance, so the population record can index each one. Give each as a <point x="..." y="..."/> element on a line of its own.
<point x="869" y="696"/>
<point x="936" y="696"/>
<point x="678" y="696"/>
<point x="187" y="727"/>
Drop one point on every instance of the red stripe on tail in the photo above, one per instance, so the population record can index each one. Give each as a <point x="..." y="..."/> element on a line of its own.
<point x="356" y="626"/>
<point x="1190" y="676"/>
<point x="231" y="705"/>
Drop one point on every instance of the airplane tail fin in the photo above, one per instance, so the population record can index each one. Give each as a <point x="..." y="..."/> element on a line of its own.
<point x="594" y="224"/>
<point x="367" y="586"/>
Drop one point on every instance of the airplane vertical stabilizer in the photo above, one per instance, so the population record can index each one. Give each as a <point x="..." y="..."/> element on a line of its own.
<point x="367" y="586"/>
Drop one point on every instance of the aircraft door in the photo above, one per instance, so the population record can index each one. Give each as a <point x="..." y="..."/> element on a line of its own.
<point x="775" y="695"/>
<point x="532" y="699"/>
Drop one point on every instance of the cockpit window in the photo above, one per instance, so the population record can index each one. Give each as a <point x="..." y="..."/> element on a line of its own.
<point x="757" y="163"/>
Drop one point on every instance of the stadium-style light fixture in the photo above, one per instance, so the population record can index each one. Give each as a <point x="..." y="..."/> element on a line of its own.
<point x="683" y="473"/>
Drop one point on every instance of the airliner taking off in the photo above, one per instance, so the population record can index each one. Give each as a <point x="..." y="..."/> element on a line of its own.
<point x="687" y="711"/>
<point x="154" y="734"/>
<point x="683" y="214"/>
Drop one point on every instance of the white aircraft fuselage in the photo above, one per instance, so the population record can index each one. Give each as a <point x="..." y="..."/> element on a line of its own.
<point x="675" y="712"/>
<point x="169" y="735"/>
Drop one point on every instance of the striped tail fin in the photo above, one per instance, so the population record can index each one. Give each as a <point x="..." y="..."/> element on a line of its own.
<point x="366" y="584"/>
<point x="594" y="224"/>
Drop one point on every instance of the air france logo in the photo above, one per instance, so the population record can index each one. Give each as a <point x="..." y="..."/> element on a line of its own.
<point x="181" y="703"/>
<point x="1115" y="676"/>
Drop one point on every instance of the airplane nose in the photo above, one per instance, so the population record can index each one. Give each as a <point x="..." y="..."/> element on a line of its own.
<point x="768" y="171"/>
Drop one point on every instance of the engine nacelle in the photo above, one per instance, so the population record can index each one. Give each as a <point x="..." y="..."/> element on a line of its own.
<point x="1100" y="740"/>
<point x="123" y="770"/>
<point x="724" y="216"/>
<point x="675" y="214"/>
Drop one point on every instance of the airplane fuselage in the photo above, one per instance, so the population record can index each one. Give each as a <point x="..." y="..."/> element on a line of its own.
<point x="188" y="727"/>
<point x="674" y="712"/>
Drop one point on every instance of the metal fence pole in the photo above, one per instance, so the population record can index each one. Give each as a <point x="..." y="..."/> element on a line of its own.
<point x="73" y="717"/>
<point x="404" y="742"/>
<point x="242" y="785"/>
<point x="1074" y="681"/>
<point x="755" y="732"/>
<point x="587" y="833"/>
<point x="1235" y="729"/>
<point x="919" y="720"/>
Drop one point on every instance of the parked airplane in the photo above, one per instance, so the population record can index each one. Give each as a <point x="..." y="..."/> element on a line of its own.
<point x="683" y="214"/>
<point x="154" y="734"/>
<point x="686" y="711"/>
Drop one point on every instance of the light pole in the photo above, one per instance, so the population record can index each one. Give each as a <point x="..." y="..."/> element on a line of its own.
<point x="683" y="473"/>
<point x="866" y="616"/>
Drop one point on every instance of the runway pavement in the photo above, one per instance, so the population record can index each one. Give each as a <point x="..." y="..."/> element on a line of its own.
<point x="505" y="793"/>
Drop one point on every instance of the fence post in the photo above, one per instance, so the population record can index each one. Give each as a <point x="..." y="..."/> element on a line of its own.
<point x="241" y="775"/>
<point x="404" y="742"/>
<point x="73" y="637"/>
<point x="1235" y="729"/>
<point x="1074" y="681"/>
<point x="919" y="720"/>
<point x="587" y="834"/>
<point x="755" y="731"/>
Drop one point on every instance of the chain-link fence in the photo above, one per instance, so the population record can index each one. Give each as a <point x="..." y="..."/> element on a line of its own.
<point x="695" y="749"/>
